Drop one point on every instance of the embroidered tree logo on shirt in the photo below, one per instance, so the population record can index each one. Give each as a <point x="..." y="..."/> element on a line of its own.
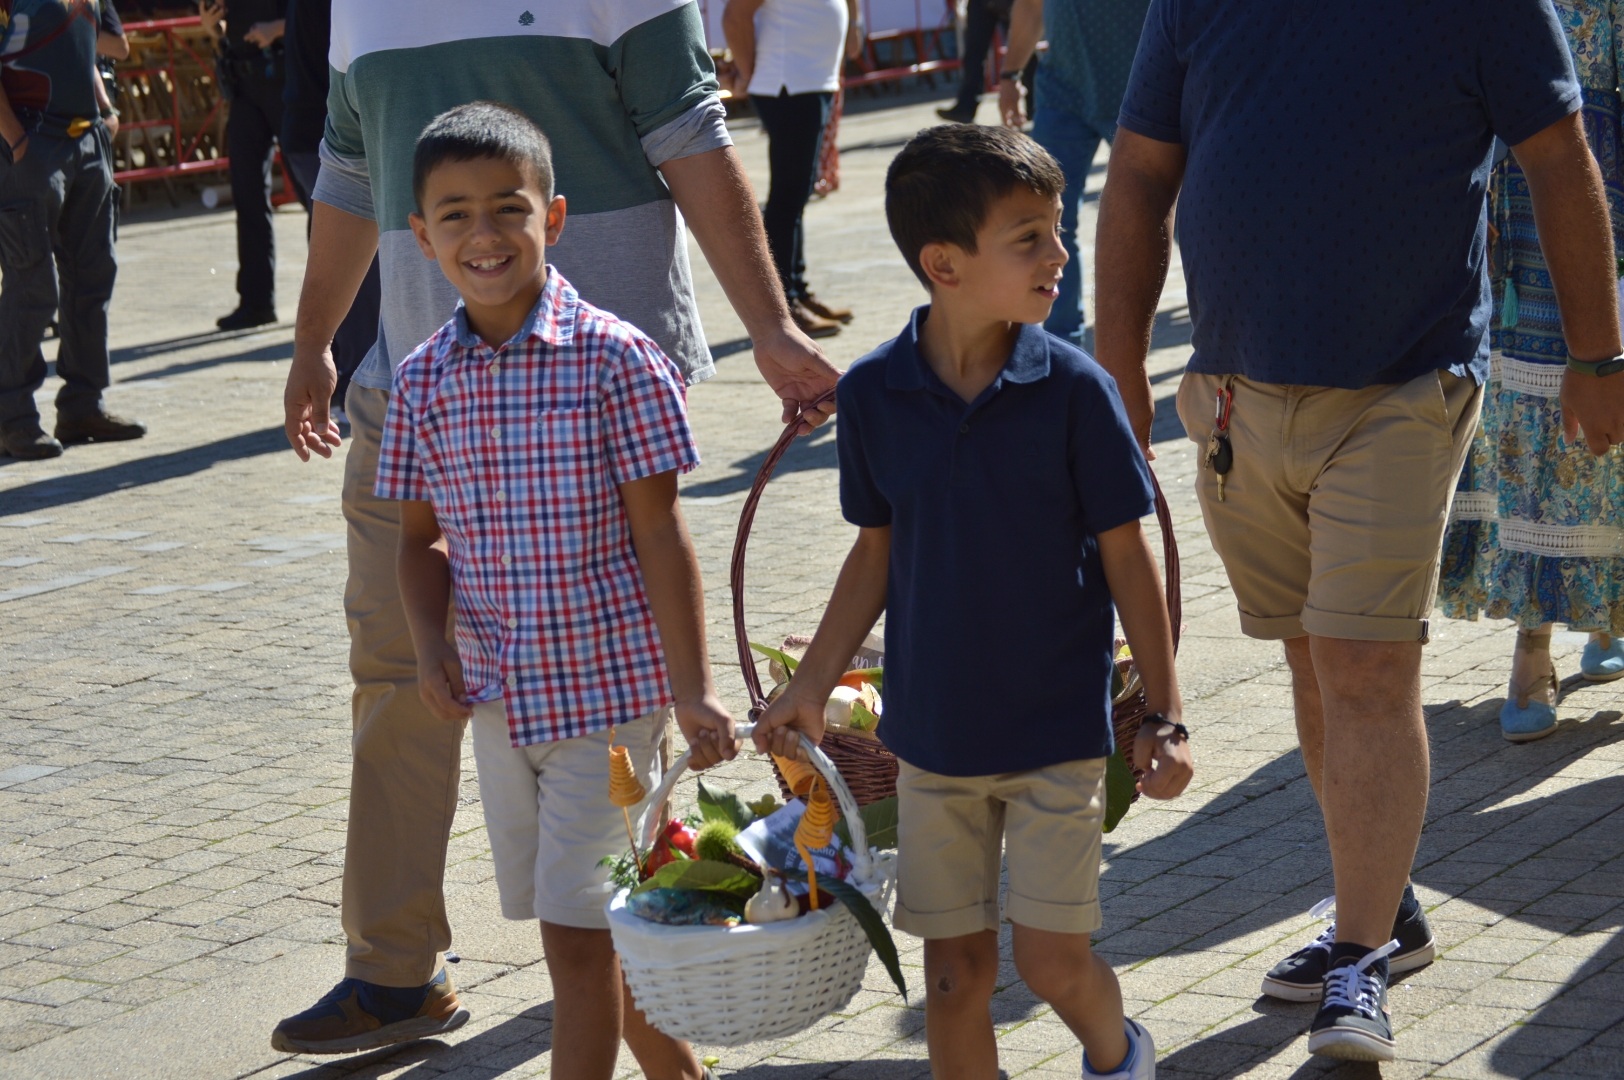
<point x="526" y="19"/>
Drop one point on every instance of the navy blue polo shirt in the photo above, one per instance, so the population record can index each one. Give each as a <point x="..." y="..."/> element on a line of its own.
<point x="1332" y="219"/>
<point x="998" y="627"/>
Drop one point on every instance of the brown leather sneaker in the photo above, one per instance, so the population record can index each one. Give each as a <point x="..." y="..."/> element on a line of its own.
<point x="29" y="442"/>
<point x="827" y="311"/>
<point x="357" y="1015"/>
<point x="810" y="322"/>
<point x="99" y="426"/>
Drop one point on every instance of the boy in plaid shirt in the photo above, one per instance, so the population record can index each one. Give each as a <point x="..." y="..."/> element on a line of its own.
<point x="535" y="442"/>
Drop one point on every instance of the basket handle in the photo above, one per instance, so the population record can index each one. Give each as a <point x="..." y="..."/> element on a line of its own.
<point x="1170" y="559"/>
<point x="864" y="871"/>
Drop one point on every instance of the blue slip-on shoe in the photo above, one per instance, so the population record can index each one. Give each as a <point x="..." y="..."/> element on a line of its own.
<point x="1602" y="660"/>
<point x="1522" y="718"/>
<point x="1140" y="1064"/>
<point x="357" y="1015"/>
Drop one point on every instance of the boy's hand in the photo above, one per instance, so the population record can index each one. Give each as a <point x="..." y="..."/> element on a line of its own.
<point x="1164" y="757"/>
<point x="708" y="727"/>
<point x="780" y="728"/>
<point x="439" y="683"/>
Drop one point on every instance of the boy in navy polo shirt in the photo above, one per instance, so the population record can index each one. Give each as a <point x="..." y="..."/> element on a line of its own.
<point x="998" y="489"/>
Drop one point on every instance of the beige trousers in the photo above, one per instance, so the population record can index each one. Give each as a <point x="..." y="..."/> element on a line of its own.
<point x="407" y="763"/>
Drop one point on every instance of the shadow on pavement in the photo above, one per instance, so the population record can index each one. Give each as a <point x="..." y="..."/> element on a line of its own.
<point x="814" y="451"/>
<point x="65" y="490"/>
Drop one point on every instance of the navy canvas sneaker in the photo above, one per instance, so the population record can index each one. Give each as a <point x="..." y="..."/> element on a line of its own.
<point x="1299" y="976"/>
<point x="356" y="1016"/>
<point x="1353" y="1023"/>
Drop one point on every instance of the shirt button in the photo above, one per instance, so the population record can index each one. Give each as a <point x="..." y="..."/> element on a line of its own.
<point x="507" y="560"/>
<point x="964" y="429"/>
<point x="496" y="369"/>
<point x="501" y="496"/>
<point x="496" y="433"/>
<point x="513" y="624"/>
<point x="513" y="680"/>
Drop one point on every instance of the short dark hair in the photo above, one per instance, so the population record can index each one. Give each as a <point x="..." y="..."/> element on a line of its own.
<point x="939" y="188"/>
<point x="483" y="129"/>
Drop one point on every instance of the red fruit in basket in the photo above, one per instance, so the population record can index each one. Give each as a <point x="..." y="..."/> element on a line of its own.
<point x="677" y="841"/>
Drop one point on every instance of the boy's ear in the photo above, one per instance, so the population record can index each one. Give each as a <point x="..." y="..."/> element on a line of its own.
<point x="555" y="219"/>
<point x="420" y="229"/>
<point x="940" y="262"/>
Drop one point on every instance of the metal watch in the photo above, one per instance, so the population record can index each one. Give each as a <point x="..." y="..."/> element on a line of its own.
<point x="1597" y="367"/>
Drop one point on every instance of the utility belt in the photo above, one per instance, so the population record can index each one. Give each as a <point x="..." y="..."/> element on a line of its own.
<point x="37" y="123"/>
<point x="235" y="69"/>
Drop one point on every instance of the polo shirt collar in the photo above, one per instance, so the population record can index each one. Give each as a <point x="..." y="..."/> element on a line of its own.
<point x="552" y="319"/>
<point x="906" y="369"/>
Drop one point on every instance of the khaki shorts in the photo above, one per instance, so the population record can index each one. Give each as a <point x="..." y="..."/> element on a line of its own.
<point x="952" y="830"/>
<point x="549" y="818"/>
<point x="1335" y="509"/>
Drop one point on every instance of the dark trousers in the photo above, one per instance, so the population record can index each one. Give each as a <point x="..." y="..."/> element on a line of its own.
<point x="979" y="23"/>
<point x="359" y="330"/>
<point x="58" y="205"/>
<point x="794" y="125"/>
<point x="251" y="130"/>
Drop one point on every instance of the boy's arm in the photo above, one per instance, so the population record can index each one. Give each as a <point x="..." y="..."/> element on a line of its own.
<point x="1136" y="587"/>
<point x="858" y="600"/>
<point x="676" y="597"/>
<point x="424" y="574"/>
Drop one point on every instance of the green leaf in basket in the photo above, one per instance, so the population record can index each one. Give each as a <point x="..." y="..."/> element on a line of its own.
<point x="862" y="719"/>
<point x="724" y="806"/>
<point x="1119" y="788"/>
<point x="879" y="824"/>
<point x="789" y="662"/>
<point x="704" y="875"/>
<point x="869" y="919"/>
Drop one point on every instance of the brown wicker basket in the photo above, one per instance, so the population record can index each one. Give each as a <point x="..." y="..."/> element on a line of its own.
<point x="864" y="763"/>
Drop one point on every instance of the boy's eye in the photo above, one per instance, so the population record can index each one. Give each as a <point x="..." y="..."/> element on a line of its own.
<point x="454" y="215"/>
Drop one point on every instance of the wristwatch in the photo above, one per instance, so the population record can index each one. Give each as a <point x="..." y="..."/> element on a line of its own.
<point x="1158" y="718"/>
<point x="1011" y="75"/>
<point x="1597" y="367"/>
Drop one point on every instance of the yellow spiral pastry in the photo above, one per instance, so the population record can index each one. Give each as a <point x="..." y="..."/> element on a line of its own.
<point x="797" y="774"/>
<point x="817" y="828"/>
<point x="624" y="787"/>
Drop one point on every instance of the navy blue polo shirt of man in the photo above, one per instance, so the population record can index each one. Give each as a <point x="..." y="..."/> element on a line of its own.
<point x="999" y="630"/>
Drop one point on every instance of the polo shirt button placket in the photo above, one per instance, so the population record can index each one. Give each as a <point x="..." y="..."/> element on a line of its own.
<point x="964" y="429"/>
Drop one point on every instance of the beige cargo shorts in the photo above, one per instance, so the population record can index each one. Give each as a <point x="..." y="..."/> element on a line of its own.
<point x="1335" y="508"/>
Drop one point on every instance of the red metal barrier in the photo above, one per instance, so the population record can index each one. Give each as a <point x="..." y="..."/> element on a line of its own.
<point x="185" y="161"/>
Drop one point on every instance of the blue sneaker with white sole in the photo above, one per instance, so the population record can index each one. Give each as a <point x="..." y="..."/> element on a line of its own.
<point x="1602" y="660"/>
<point x="1140" y="1064"/>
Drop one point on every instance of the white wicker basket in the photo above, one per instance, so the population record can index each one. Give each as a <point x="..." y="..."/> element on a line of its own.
<point x="723" y="986"/>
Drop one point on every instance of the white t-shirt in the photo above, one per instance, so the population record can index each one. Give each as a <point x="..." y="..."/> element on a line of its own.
<point x="799" y="46"/>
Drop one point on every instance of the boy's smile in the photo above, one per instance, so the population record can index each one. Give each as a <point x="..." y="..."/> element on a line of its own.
<point x="487" y="223"/>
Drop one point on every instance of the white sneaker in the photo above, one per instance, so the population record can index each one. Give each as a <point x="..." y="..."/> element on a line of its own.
<point x="1140" y="1064"/>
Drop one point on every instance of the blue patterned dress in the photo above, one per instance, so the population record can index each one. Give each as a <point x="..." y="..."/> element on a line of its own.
<point x="1536" y="532"/>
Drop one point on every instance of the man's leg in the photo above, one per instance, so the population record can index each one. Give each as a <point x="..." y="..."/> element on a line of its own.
<point x="1073" y="143"/>
<point x="407" y="762"/>
<point x="31" y="195"/>
<point x="86" y="268"/>
<point x="794" y="124"/>
<point x="979" y="24"/>
<point x="249" y="136"/>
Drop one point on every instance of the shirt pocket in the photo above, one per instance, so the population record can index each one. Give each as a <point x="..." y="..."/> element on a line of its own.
<point x="568" y="444"/>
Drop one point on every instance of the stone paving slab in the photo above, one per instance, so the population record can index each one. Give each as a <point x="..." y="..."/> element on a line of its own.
<point x="174" y="767"/>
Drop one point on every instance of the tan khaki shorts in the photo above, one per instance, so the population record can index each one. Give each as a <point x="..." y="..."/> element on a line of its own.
<point x="951" y="831"/>
<point x="549" y="818"/>
<point x="1335" y="509"/>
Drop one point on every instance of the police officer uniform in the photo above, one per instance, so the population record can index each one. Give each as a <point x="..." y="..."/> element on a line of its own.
<point x="57" y="203"/>
<point x="253" y="79"/>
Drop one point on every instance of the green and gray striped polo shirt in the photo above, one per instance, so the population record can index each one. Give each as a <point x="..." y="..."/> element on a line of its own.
<point x="619" y="86"/>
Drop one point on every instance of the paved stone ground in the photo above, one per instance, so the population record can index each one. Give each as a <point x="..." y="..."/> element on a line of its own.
<point x="175" y="775"/>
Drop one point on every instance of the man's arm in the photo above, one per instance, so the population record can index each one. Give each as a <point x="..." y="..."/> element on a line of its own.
<point x="714" y="195"/>
<point x="1133" y="249"/>
<point x="11" y="128"/>
<point x="1136" y="587"/>
<point x="739" y="28"/>
<point x="341" y="249"/>
<point x="1025" y="31"/>
<point x="113" y="46"/>
<point x="1576" y="234"/>
<point x="676" y="599"/>
<point x="854" y="607"/>
<point x="424" y="573"/>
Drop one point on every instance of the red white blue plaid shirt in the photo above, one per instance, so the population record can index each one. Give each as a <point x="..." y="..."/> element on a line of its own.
<point x="520" y="450"/>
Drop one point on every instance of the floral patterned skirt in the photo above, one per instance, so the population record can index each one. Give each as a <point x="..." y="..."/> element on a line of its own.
<point x="1536" y="532"/>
